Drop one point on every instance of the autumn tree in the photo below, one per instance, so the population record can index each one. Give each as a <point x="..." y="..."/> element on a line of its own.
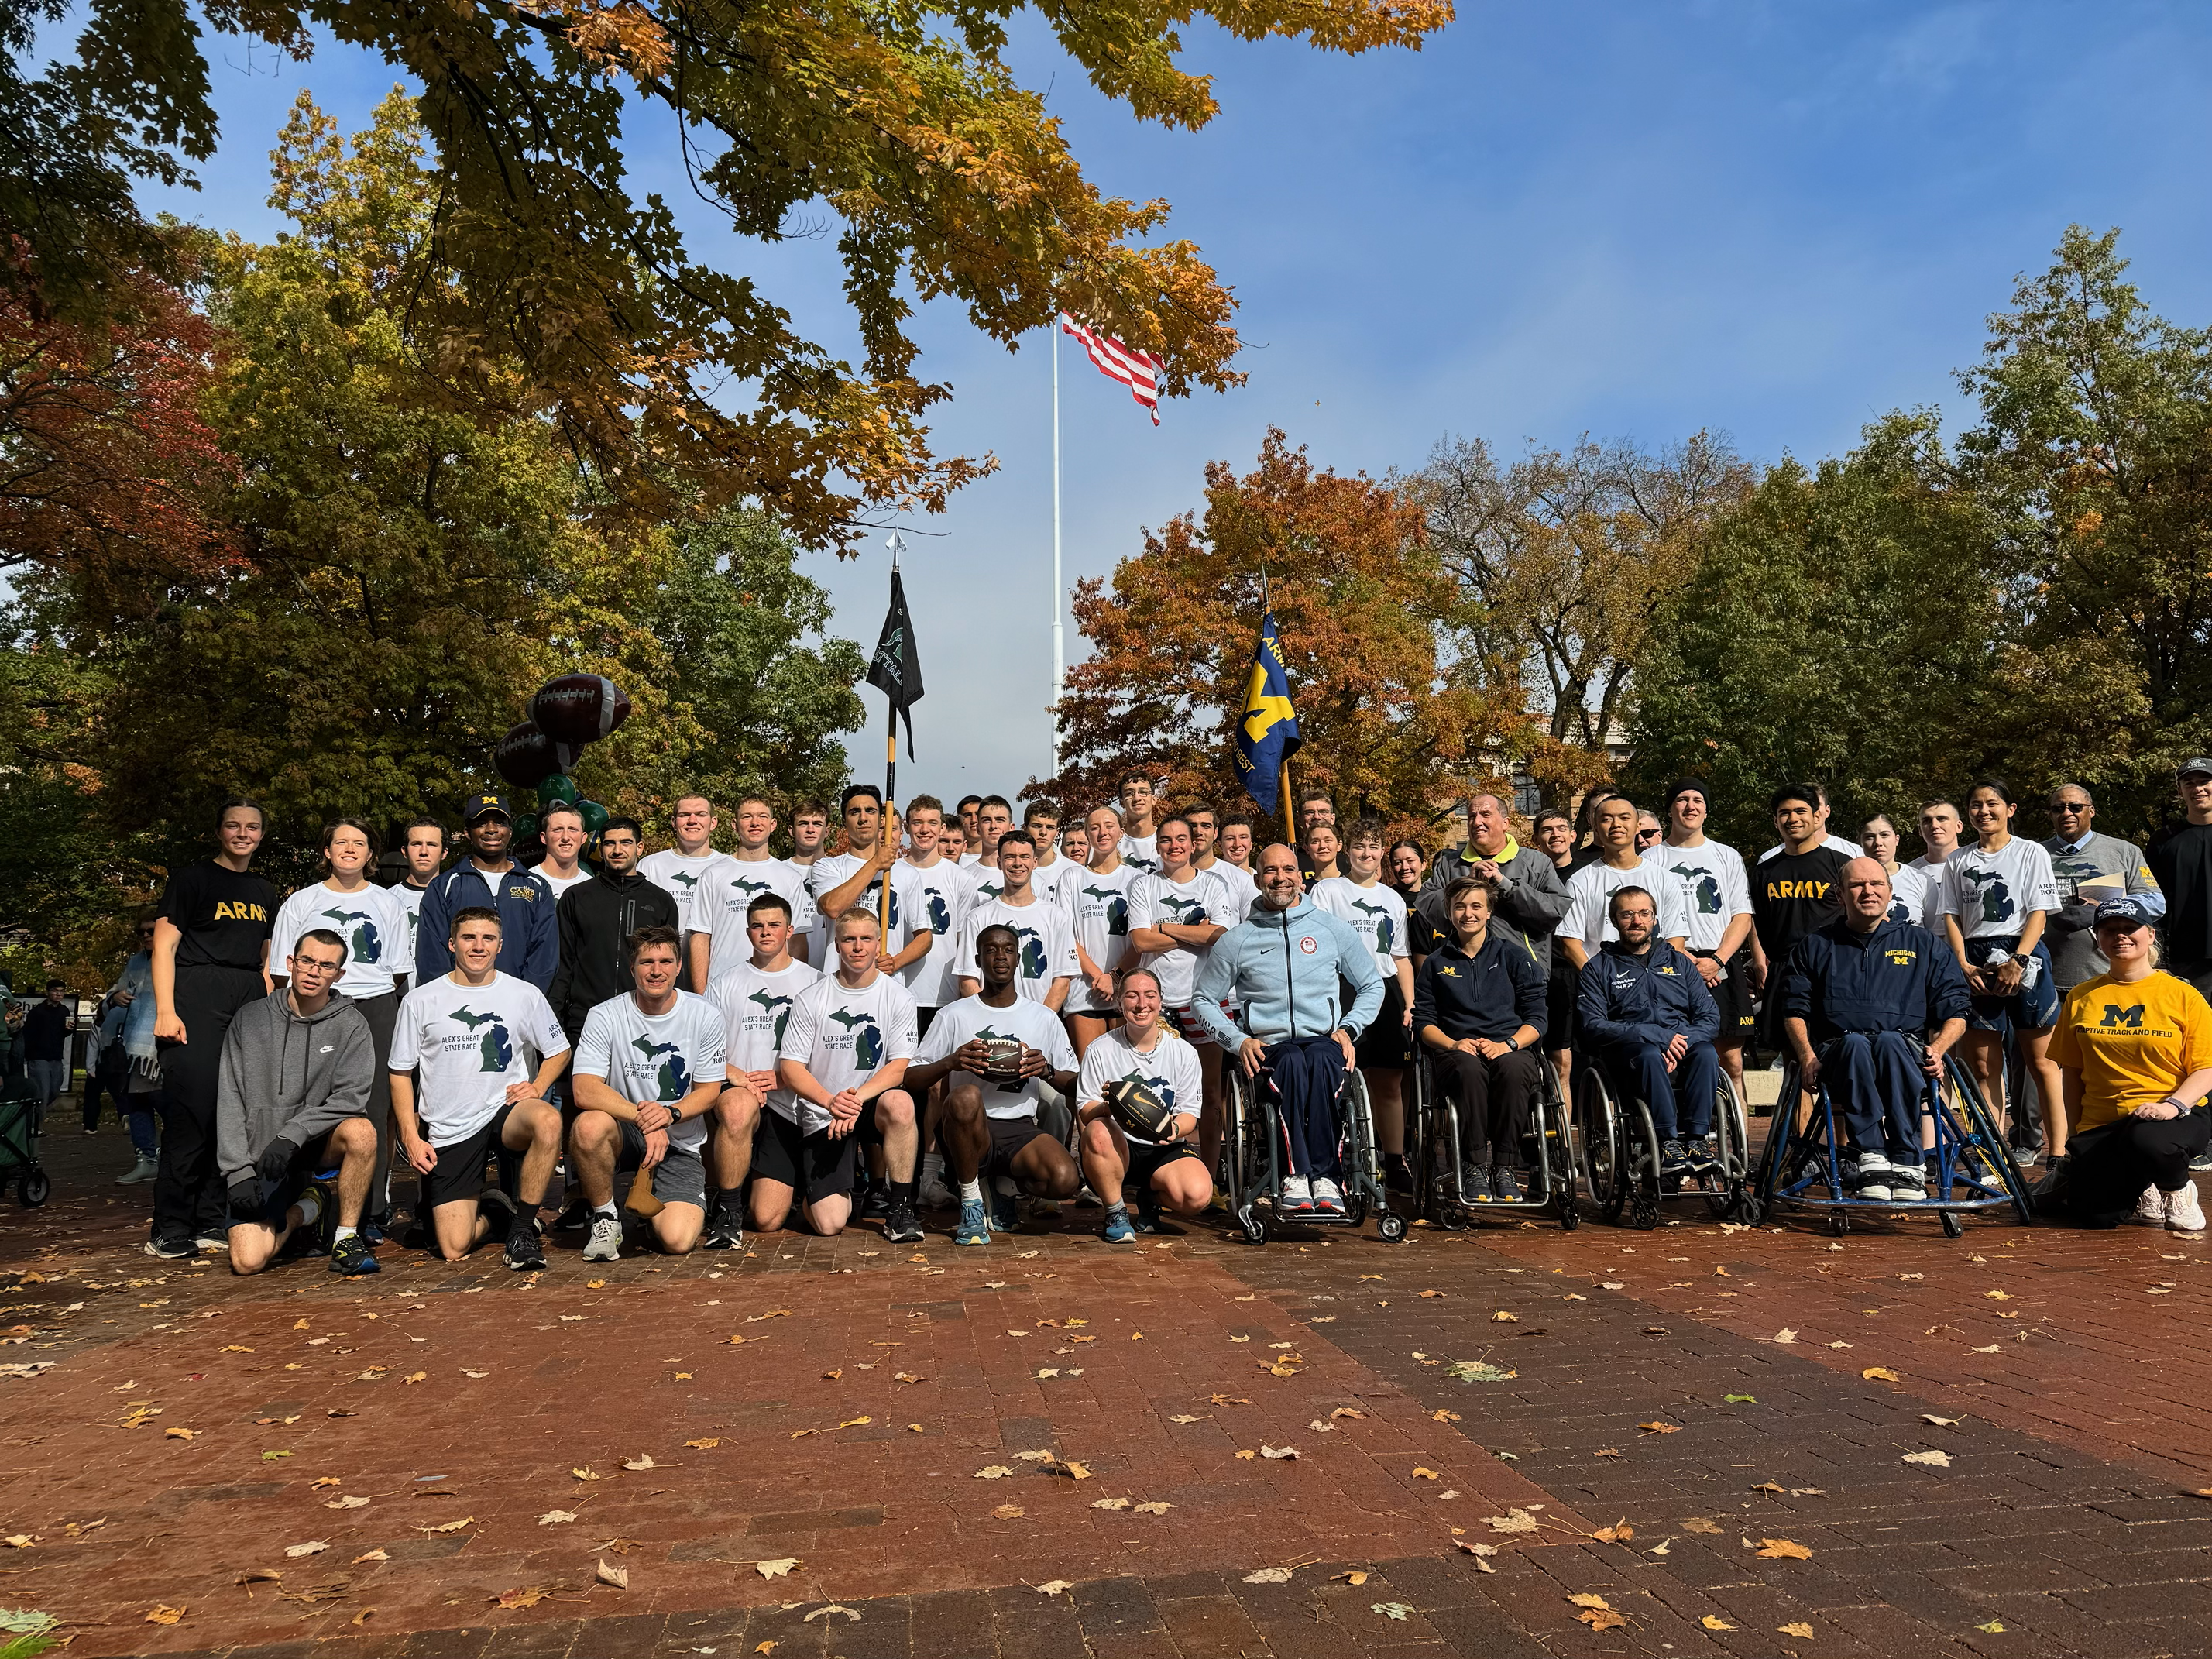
<point x="903" y="130"/>
<point x="1370" y="624"/>
<point x="1563" y="556"/>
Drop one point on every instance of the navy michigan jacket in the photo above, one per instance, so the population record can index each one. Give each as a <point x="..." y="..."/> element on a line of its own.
<point x="1627" y="1000"/>
<point x="1900" y="977"/>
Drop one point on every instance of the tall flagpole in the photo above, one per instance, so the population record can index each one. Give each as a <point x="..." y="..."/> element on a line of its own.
<point x="1057" y="643"/>
<point x="888" y="818"/>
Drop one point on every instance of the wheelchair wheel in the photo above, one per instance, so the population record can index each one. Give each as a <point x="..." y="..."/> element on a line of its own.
<point x="1562" y="1155"/>
<point x="1980" y="1143"/>
<point x="1781" y="1128"/>
<point x="1728" y="1186"/>
<point x="1363" y="1166"/>
<point x="1640" y="1165"/>
<point x="1237" y="1150"/>
<point x="1953" y="1227"/>
<point x="1390" y="1226"/>
<point x="1597" y="1132"/>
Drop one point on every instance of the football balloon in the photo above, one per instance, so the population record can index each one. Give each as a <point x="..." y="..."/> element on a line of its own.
<point x="525" y="757"/>
<point x="580" y="708"/>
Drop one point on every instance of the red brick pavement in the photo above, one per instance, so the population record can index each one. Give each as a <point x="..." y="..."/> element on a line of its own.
<point x="2059" y="1518"/>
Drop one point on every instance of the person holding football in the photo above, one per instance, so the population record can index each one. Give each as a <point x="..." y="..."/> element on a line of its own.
<point x="1137" y="1085"/>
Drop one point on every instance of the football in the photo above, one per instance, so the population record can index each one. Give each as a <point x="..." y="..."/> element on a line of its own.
<point x="578" y="709"/>
<point x="1006" y="1056"/>
<point x="525" y="757"/>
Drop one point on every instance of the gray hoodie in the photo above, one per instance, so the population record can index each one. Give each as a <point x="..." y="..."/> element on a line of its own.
<point x="284" y="1075"/>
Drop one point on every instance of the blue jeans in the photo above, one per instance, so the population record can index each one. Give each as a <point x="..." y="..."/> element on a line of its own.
<point x="1875" y="1081"/>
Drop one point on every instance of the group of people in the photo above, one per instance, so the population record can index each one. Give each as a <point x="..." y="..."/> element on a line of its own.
<point x="939" y="999"/>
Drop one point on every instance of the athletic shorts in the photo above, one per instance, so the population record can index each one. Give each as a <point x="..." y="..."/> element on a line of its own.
<point x="1008" y="1136"/>
<point x="459" y="1171"/>
<point x="311" y="1161"/>
<point x="922" y="1017"/>
<point x="1732" y="996"/>
<point x="1147" y="1158"/>
<point x="1186" y="1023"/>
<point x="1388" y="1044"/>
<point x="813" y="1166"/>
<point x="678" y="1178"/>
<point x="2034" y="1007"/>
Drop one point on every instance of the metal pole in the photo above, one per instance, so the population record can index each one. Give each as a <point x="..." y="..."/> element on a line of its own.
<point x="1056" y="640"/>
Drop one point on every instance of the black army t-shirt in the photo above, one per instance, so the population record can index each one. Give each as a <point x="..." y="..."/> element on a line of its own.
<point x="226" y="916"/>
<point x="1793" y="894"/>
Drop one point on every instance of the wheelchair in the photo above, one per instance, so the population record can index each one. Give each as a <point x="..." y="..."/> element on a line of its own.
<point x="1969" y="1167"/>
<point x="1432" y="1140"/>
<point x="1620" y="1148"/>
<point x="1253" y="1145"/>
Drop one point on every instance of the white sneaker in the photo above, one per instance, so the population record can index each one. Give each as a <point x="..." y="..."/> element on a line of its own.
<point x="1908" y="1184"/>
<point x="936" y="1195"/>
<point x="605" y="1242"/>
<point x="1328" y="1197"/>
<point x="1297" y="1194"/>
<point x="2150" y="1208"/>
<point x="143" y="1169"/>
<point x="2184" y="1212"/>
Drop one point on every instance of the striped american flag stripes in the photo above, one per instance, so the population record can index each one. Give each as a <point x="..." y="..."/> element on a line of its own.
<point x="1137" y="370"/>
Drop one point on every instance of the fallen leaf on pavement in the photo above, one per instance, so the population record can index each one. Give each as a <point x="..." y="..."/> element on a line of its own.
<point x="295" y="1550"/>
<point x="779" y="1569"/>
<point x="1269" y="1575"/>
<point x="1697" y="1523"/>
<point x="1515" y="1519"/>
<point x="1660" y="1428"/>
<point x="1354" y="1577"/>
<point x="1881" y="1374"/>
<point x="992" y="1472"/>
<point x="452" y="1526"/>
<point x="1619" y="1533"/>
<point x="1607" y="1451"/>
<point x="165" y="1615"/>
<point x="1182" y="1419"/>
<point x="1440" y="1415"/>
<point x="1247" y="1456"/>
<point x="1785" y="1334"/>
<point x="416" y="1376"/>
<point x="347" y="1503"/>
<point x="1280" y="1453"/>
<point x="585" y="1475"/>
<point x="1740" y="1398"/>
<point x="1007" y="1512"/>
<point x="555" y="1518"/>
<point x="618" y="1577"/>
<point x="180" y="1434"/>
<point x="1073" y="1471"/>
<point x="1054" y="1586"/>
<point x="639" y="1464"/>
<point x="1110" y="1503"/>
<point x="823" y="1613"/>
<point x="855" y="1422"/>
<point x="522" y="1598"/>
<point x="1996" y="1296"/>
<point x="1934" y="1460"/>
<point x="708" y="1444"/>
<point x="1992" y="1348"/>
<point x="1783" y="1549"/>
<point x="1799" y="1629"/>
<point x="1712" y="1621"/>
<point x="1996" y="1627"/>
<point x="1158" y="1506"/>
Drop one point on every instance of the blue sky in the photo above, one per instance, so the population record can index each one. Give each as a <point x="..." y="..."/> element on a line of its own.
<point x="1776" y="221"/>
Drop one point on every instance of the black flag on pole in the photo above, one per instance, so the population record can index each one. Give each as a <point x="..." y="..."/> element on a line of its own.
<point x="897" y="669"/>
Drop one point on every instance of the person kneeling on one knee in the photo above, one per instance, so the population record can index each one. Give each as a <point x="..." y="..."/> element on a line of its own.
<point x="988" y="1121"/>
<point x="2134" y="1051"/>
<point x="1153" y="1157"/>
<point x="290" y="1102"/>
<point x="1645" y="1010"/>
<point x="1859" y="996"/>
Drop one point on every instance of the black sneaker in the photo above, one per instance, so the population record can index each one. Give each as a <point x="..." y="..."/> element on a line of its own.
<point x="526" y="1251"/>
<point x="169" y="1249"/>
<point x="1397" y="1175"/>
<point x="877" y="1206"/>
<point x="1673" y="1162"/>
<point x="1473" y="1184"/>
<point x="573" y="1218"/>
<point x="1146" y="1217"/>
<point x="1707" y="1154"/>
<point x="372" y="1228"/>
<point x="726" y="1228"/>
<point x="1503" y="1188"/>
<point x="352" y="1257"/>
<point x="900" y="1225"/>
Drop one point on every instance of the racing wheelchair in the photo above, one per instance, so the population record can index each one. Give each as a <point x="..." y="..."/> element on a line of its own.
<point x="1619" y="1151"/>
<point x="1969" y="1167"/>
<point x="1254" y="1144"/>
<point x="1432" y="1145"/>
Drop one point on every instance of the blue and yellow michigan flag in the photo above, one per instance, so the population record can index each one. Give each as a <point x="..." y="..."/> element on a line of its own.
<point x="1268" y="734"/>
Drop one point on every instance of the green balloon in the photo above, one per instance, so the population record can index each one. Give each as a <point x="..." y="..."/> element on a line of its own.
<point x="526" y="827"/>
<point x="595" y="816"/>
<point x="558" y="787"/>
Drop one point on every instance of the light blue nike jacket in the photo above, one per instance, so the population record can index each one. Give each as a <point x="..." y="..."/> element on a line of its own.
<point x="1288" y="971"/>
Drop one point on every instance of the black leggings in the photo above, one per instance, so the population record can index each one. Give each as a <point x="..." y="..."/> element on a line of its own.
<point x="1493" y="1096"/>
<point x="188" y="1193"/>
<point x="2108" y="1167"/>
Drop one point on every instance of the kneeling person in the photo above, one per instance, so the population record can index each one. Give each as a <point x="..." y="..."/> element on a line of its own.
<point x="1160" y="1162"/>
<point x="463" y="1090"/>
<point x="842" y="1068"/>
<point x="1859" y="999"/>
<point x="1645" y="1010"/>
<point x="755" y="998"/>
<point x="988" y="1124"/>
<point x="649" y="1070"/>
<point x="279" y="1119"/>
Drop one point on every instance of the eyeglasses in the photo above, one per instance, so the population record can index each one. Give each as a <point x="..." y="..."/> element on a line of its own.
<point x="2069" y="806"/>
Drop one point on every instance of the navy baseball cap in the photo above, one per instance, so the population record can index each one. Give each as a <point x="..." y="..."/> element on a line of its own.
<point x="476" y="805"/>
<point x="2123" y="910"/>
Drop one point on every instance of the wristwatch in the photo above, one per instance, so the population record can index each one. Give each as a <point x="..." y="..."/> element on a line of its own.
<point x="2022" y="958"/>
<point x="1513" y="1045"/>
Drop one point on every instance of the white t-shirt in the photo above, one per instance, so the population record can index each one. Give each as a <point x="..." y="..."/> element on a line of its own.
<point x="466" y="1043"/>
<point x="410" y="900"/>
<point x="1908" y="896"/>
<point x="843" y="1038"/>
<point x="1932" y="878"/>
<point x="1706" y="885"/>
<point x="970" y="860"/>
<point x="985" y="884"/>
<point x="1028" y="1022"/>
<point x="561" y="884"/>
<point x="1205" y="898"/>
<point x="719" y="903"/>
<point x="676" y="874"/>
<point x="1097" y="909"/>
<point x="373" y="922"/>
<point x="1142" y="851"/>
<point x="1171" y="1068"/>
<point x="755" y="1006"/>
<point x="1377" y="913"/>
<point x="659" y="1060"/>
<point x="1991" y="893"/>
<point x="1590" y="904"/>
<point x="941" y="892"/>
<point x="1049" y="881"/>
<point x="1849" y="850"/>
<point x="831" y="873"/>
<point x="1243" y="886"/>
<point x="1047" y="943"/>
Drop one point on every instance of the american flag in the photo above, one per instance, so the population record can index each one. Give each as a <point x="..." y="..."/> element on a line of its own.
<point x="1137" y="370"/>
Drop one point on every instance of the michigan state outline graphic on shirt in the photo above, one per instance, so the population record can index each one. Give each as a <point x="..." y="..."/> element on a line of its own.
<point x="364" y="942"/>
<point x="495" y="1048"/>
<point x="867" y="1036"/>
<point x="675" y="1080"/>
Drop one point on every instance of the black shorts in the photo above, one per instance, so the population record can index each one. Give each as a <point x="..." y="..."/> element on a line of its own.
<point x="1560" y="990"/>
<point x="813" y="1166"/>
<point x="1388" y="1044"/>
<point x="311" y="1162"/>
<point x="921" y="1019"/>
<point x="1147" y="1158"/>
<point x="1732" y="996"/>
<point x="458" y="1174"/>
<point x="1008" y="1136"/>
